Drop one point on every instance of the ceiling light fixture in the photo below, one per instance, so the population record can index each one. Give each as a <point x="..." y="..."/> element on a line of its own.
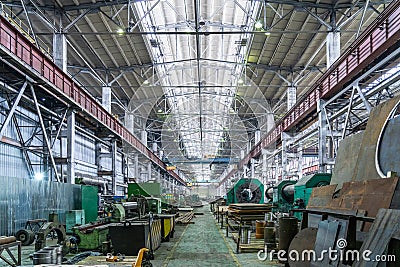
<point x="120" y="31"/>
<point x="146" y="82"/>
<point x="258" y="25"/>
<point x="240" y="81"/>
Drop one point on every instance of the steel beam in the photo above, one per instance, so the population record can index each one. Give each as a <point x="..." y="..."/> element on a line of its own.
<point x="12" y="109"/>
<point x="329" y="85"/>
<point x="21" y="141"/>
<point x="44" y="131"/>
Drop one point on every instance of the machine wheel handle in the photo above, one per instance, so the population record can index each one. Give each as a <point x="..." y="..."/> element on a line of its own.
<point x="25" y="236"/>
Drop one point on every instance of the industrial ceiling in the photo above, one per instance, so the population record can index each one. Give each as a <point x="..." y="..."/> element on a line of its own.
<point x="204" y="78"/>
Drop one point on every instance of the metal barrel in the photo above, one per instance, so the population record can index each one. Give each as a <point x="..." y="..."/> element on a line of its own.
<point x="52" y="252"/>
<point x="288" y="228"/>
<point x="41" y="257"/>
<point x="269" y="235"/>
<point x="58" y="250"/>
<point x="245" y="235"/>
<point x="260" y="229"/>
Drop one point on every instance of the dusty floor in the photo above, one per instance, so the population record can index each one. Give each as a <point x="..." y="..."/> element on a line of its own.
<point x="204" y="244"/>
<point x="200" y="244"/>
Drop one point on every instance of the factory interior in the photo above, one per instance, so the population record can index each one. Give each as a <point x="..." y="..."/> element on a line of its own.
<point x="200" y="133"/>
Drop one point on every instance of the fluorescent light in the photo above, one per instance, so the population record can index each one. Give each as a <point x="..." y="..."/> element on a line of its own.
<point x="258" y="25"/>
<point x="120" y="31"/>
<point x="240" y="81"/>
<point x="146" y="82"/>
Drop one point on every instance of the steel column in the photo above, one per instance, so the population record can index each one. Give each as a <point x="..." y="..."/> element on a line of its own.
<point x="106" y="98"/>
<point x="285" y="162"/>
<point x="300" y="161"/>
<point x="129" y="121"/>
<point x="264" y="168"/>
<point x="332" y="48"/>
<point x="291" y="97"/>
<point x="60" y="50"/>
<point x="114" y="168"/>
<point x="322" y="133"/>
<point x="149" y="171"/>
<point x="71" y="133"/>
<point x="253" y="172"/>
<point x="136" y="163"/>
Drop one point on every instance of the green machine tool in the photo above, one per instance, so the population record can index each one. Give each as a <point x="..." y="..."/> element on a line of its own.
<point x="304" y="187"/>
<point x="95" y="235"/>
<point x="246" y="190"/>
<point x="282" y="195"/>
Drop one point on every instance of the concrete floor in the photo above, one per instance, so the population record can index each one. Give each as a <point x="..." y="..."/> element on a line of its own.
<point x="200" y="244"/>
<point x="204" y="244"/>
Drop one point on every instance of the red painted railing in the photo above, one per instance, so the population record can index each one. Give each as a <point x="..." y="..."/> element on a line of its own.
<point x="382" y="34"/>
<point x="17" y="44"/>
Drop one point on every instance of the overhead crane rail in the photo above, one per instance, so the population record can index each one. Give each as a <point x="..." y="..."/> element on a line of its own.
<point x="14" y="44"/>
<point x="379" y="36"/>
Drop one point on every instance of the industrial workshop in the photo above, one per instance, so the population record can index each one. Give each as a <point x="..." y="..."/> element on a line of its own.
<point x="200" y="133"/>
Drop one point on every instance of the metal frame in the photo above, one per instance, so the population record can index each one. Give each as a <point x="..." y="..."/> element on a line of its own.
<point x="344" y="70"/>
<point x="6" y="248"/>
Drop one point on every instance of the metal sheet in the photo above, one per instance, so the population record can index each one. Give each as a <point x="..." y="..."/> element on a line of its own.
<point x="385" y="226"/>
<point x="346" y="159"/>
<point x="365" y="167"/>
<point x="321" y="196"/>
<point x="327" y="235"/>
<point x="325" y="239"/>
<point x="22" y="199"/>
<point x="363" y="195"/>
<point x="389" y="147"/>
<point x="304" y="240"/>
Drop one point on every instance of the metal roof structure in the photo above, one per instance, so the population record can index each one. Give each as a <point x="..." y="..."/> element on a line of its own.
<point x="205" y="79"/>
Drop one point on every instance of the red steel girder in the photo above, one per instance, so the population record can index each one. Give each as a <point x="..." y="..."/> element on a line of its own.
<point x="31" y="59"/>
<point x="381" y="35"/>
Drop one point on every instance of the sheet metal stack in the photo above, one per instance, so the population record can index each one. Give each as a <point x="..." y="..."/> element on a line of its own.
<point x="248" y="211"/>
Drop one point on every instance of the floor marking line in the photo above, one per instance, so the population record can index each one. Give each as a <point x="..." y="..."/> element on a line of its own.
<point x="166" y="261"/>
<point x="235" y="259"/>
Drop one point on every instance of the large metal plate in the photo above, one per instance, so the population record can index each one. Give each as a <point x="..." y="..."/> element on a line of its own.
<point x="304" y="240"/>
<point x="366" y="168"/>
<point x="370" y="196"/>
<point x="321" y="197"/>
<point x="346" y="159"/>
<point x="384" y="228"/>
<point x="326" y="236"/>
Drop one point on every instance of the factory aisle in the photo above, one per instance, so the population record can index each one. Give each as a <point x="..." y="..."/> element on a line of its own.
<point x="200" y="244"/>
